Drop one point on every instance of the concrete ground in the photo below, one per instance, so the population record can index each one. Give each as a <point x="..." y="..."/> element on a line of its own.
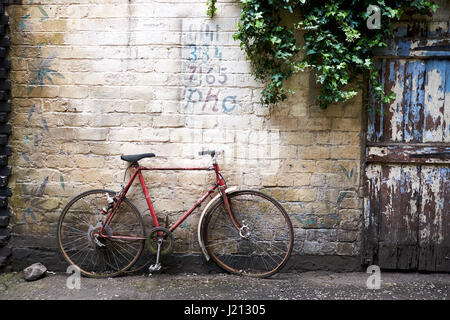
<point x="312" y="285"/>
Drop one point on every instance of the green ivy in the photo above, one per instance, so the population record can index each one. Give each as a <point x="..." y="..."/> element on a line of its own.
<point x="211" y="5"/>
<point x="337" y="43"/>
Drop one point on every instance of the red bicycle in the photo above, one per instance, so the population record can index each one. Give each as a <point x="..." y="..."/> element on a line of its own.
<point x="245" y="232"/>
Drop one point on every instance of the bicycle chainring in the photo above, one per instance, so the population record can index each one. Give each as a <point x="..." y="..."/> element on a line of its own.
<point x="163" y="234"/>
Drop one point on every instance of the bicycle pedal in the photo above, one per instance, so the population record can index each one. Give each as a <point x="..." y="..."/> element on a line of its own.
<point x="154" y="267"/>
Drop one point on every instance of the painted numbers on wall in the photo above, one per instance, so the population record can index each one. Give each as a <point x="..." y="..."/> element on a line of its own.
<point x="204" y="75"/>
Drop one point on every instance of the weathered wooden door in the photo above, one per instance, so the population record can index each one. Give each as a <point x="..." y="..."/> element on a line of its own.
<point x="407" y="174"/>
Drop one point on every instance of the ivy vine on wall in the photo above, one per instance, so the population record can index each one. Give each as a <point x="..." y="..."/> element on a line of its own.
<point x="211" y="5"/>
<point x="337" y="43"/>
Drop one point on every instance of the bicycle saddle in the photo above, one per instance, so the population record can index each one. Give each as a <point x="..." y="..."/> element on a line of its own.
<point x="136" y="157"/>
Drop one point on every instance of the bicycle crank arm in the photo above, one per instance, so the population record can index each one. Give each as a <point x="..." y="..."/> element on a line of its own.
<point x="157" y="265"/>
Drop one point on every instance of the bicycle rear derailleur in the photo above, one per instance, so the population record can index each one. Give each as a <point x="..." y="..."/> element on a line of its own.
<point x="159" y="241"/>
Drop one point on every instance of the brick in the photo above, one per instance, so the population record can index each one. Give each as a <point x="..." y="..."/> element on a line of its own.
<point x="102" y="92"/>
<point x="321" y="235"/>
<point x="302" y="194"/>
<point x="347" y="235"/>
<point x="105" y="148"/>
<point x="252" y="179"/>
<point x="276" y="193"/>
<point x="234" y="122"/>
<point x="297" y="138"/>
<point x="169" y="121"/>
<point x="300" y="166"/>
<point x="107" y="11"/>
<point x="186" y="135"/>
<point x="345" y="152"/>
<point x="204" y="122"/>
<point x="341" y="138"/>
<point x="350" y="219"/>
<point x="306" y="138"/>
<point x="345" y="249"/>
<point x="314" y="124"/>
<point x="301" y="179"/>
<point x="124" y="134"/>
<point x="336" y="180"/>
<point x="287" y="152"/>
<point x="318" y="180"/>
<point x="331" y="111"/>
<point x="298" y="109"/>
<point x="89" y="162"/>
<point x="314" y="153"/>
<point x="346" y="124"/>
<point x="95" y="134"/>
<point x="137" y="93"/>
<point x="277" y="181"/>
<point x="73" y="91"/>
<point x="218" y="136"/>
<point x="151" y="134"/>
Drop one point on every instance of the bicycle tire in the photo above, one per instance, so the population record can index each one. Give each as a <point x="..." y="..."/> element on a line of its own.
<point x="269" y="235"/>
<point x="80" y="220"/>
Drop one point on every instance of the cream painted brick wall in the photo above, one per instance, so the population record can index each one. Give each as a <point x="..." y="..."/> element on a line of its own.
<point x="94" y="79"/>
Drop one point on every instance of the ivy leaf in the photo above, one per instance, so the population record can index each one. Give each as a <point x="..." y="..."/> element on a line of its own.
<point x="357" y="60"/>
<point x="275" y="40"/>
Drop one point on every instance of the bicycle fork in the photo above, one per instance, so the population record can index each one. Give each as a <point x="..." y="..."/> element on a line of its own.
<point x="243" y="229"/>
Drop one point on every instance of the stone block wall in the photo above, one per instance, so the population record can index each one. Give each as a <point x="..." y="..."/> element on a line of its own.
<point x="94" y="79"/>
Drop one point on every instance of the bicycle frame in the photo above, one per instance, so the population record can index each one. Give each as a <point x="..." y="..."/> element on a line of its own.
<point x="220" y="185"/>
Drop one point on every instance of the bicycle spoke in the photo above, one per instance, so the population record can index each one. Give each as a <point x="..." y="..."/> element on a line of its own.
<point x="79" y="235"/>
<point x="219" y="243"/>
<point x="73" y="241"/>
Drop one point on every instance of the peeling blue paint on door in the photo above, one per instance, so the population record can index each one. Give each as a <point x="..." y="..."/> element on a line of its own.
<point x="407" y="183"/>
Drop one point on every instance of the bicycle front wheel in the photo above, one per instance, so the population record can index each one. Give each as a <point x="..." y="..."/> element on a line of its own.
<point x="263" y="241"/>
<point x="81" y="244"/>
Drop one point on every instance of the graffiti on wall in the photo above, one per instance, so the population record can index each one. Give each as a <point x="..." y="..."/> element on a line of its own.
<point x="349" y="176"/>
<point x="204" y="74"/>
<point x="309" y="217"/>
<point x="32" y="141"/>
<point x="33" y="199"/>
<point x="36" y="55"/>
<point x="40" y="65"/>
<point x="33" y="194"/>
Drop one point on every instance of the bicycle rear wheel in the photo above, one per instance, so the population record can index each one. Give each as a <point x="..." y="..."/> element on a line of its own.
<point x="262" y="245"/>
<point x="79" y="240"/>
